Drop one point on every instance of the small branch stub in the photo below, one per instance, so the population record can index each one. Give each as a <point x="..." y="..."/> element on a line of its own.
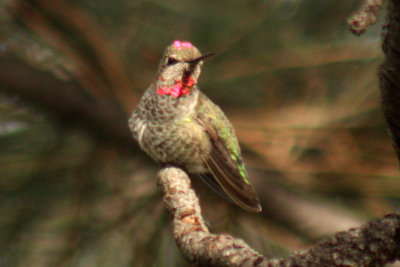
<point x="366" y="16"/>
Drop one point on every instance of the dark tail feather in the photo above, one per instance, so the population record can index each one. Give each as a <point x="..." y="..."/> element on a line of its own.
<point x="232" y="184"/>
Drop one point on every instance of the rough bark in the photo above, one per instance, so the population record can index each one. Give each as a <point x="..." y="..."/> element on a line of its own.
<point x="389" y="73"/>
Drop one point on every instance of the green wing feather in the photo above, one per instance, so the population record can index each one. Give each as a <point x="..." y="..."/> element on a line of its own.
<point x="224" y="162"/>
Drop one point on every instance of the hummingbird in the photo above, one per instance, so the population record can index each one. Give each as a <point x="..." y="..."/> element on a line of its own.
<point x="175" y="123"/>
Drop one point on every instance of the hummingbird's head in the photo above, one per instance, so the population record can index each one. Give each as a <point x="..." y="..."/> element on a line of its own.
<point x="179" y="69"/>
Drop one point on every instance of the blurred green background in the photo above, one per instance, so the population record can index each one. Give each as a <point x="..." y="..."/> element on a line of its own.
<point x="300" y="89"/>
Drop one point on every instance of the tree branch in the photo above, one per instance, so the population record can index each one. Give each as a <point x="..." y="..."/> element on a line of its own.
<point x="375" y="243"/>
<point x="366" y="16"/>
<point x="190" y="231"/>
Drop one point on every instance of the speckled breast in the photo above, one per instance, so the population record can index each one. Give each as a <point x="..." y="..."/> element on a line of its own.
<point x="181" y="141"/>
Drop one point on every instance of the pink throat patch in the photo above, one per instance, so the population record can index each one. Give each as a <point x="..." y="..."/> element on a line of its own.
<point x="180" y="88"/>
<point x="180" y="45"/>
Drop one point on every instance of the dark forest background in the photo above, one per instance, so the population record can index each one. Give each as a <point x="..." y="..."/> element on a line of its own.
<point x="301" y="91"/>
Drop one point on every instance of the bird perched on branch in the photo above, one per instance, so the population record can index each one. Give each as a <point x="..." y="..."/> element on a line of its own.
<point x="175" y="123"/>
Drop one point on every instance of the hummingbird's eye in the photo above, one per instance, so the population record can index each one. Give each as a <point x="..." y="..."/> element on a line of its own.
<point x="171" y="61"/>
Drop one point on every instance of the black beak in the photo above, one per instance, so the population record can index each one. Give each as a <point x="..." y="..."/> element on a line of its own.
<point x="197" y="60"/>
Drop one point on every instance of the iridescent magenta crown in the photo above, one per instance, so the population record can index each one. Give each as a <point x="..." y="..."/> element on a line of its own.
<point x="180" y="45"/>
